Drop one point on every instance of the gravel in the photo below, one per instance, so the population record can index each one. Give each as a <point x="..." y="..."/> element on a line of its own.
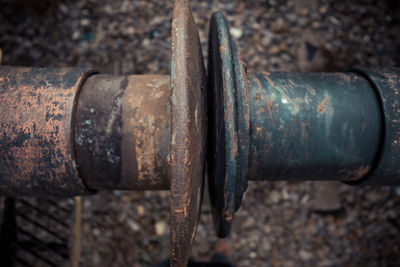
<point x="277" y="224"/>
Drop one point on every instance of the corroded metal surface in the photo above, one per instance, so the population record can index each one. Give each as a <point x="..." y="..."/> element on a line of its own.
<point x="150" y="132"/>
<point x="122" y="132"/>
<point x="312" y="126"/>
<point x="243" y="124"/>
<point x="228" y="126"/>
<point x="36" y="117"/>
<point x="188" y="132"/>
<point x="386" y="82"/>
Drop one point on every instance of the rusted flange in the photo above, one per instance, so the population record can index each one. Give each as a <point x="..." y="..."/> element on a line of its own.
<point x="188" y="132"/>
<point x="228" y="125"/>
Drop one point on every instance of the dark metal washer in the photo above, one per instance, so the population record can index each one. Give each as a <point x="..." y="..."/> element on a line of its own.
<point x="228" y="126"/>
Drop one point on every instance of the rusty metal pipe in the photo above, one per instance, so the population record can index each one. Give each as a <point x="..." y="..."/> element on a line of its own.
<point x="36" y="118"/>
<point x="70" y="131"/>
<point x="122" y="132"/>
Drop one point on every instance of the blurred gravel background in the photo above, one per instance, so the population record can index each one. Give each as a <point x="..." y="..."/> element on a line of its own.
<point x="277" y="224"/>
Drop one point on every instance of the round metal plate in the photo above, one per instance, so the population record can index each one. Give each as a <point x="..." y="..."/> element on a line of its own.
<point x="229" y="125"/>
<point x="188" y="132"/>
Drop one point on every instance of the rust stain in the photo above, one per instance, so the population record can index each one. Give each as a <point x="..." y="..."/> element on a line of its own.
<point x="228" y="215"/>
<point x="270" y="107"/>
<point x="321" y="107"/>
<point x="304" y="130"/>
<point x="358" y="174"/>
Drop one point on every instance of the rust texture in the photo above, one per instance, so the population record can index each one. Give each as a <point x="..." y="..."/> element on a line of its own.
<point x="123" y="132"/>
<point x="36" y="117"/>
<point x="188" y="132"/>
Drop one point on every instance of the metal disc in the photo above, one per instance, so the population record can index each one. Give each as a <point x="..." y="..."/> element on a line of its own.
<point x="188" y="132"/>
<point x="228" y="125"/>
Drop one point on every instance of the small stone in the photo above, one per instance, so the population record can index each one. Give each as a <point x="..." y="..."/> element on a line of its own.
<point x="275" y="49"/>
<point x="76" y="35"/>
<point x="96" y="232"/>
<point x="373" y="196"/>
<point x="253" y="255"/>
<point x="249" y="223"/>
<point x="326" y="196"/>
<point x="274" y="197"/>
<point x="108" y="10"/>
<point x="304" y="199"/>
<point x="133" y="225"/>
<point x="305" y="255"/>
<point x="63" y="8"/>
<point x="85" y="22"/>
<point x="334" y="20"/>
<point x="266" y="245"/>
<point x="161" y="228"/>
<point x="267" y="229"/>
<point x="285" y="194"/>
<point x="130" y="30"/>
<point x="323" y="9"/>
<point x="146" y="42"/>
<point x="304" y="11"/>
<point x="267" y="39"/>
<point x="140" y="210"/>
<point x="291" y="17"/>
<point x="236" y="33"/>
<point x="279" y="25"/>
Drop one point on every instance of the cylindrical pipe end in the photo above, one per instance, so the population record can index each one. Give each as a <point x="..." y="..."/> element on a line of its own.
<point x="313" y="126"/>
<point x="122" y="132"/>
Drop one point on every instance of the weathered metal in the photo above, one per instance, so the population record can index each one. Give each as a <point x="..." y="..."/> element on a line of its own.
<point x="188" y="132"/>
<point x="312" y="126"/>
<point x="63" y="136"/>
<point x="302" y="126"/>
<point x="122" y="132"/>
<point x="228" y="125"/>
<point x="36" y="118"/>
<point x="386" y="83"/>
<point x="72" y="132"/>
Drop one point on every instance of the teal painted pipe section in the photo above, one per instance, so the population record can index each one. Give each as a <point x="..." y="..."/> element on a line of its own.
<point x="313" y="126"/>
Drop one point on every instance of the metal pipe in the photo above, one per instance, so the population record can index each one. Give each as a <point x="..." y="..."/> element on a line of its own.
<point x="122" y="132"/>
<point x="386" y="83"/>
<point x="302" y="126"/>
<point x="71" y="132"/>
<point x="312" y="126"/>
<point x="64" y="133"/>
<point x="36" y="118"/>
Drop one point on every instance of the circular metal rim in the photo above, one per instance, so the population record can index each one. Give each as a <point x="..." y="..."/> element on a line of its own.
<point x="228" y="157"/>
<point x="243" y="121"/>
<point x="188" y="132"/>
